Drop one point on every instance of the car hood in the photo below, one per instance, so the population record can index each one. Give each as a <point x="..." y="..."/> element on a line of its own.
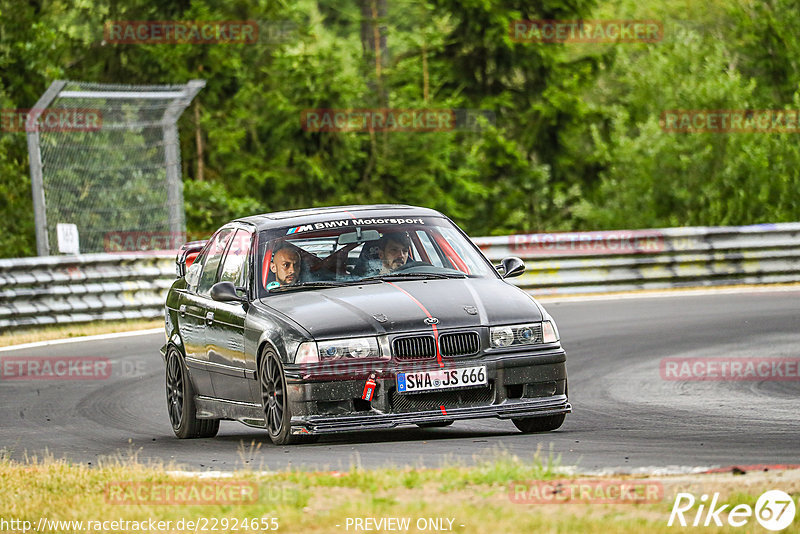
<point x="404" y="306"/>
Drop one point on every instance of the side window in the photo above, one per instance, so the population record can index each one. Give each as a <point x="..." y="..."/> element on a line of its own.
<point x="454" y="250"/>
<point x="194" y="270"/>
<point x="234" y="267"/>
<point x="430" y="250"/>
<point x="193" y="274"/>
<point x="213" y="258"/>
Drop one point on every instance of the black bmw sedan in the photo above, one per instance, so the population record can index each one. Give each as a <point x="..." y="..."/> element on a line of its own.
<point x="338" y="319"/>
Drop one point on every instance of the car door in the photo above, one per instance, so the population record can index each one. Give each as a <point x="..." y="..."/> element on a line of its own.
<point x="194" y="307"/>
<point x="225" y="333"/>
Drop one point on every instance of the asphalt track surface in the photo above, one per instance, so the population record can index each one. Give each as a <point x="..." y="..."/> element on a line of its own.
<point x="626" y="417"/>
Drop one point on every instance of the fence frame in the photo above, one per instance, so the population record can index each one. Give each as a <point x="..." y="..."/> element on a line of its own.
<point x="180" y="101"/>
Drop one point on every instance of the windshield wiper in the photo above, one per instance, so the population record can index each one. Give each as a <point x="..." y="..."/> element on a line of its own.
<point x="309" y="285"/>
<point x="428" y="276"/>
<point x="318" y="284"/>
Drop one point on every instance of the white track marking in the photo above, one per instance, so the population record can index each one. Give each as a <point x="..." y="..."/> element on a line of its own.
<point x="646" y="294"/>
<point x="79" y="339"/>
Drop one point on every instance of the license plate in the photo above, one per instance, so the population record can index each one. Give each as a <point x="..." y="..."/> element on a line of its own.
<point x="441" y="379"/>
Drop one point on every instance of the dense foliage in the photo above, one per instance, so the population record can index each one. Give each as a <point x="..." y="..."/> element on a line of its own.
<point x="576" y="141"/>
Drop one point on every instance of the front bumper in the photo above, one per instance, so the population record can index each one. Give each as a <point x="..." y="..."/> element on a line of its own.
<point x="519" y="386"/>
<point x="533" y="408"/>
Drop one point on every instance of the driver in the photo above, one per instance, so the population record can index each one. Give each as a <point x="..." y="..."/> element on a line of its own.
<point x="393" y="251"/>
<point x="285" y="264"/>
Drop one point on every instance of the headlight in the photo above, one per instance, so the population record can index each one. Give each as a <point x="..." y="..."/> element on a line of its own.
<point x="523" y="334"/>
<point x="338" y="349"/>
<point x="502" y="336"/>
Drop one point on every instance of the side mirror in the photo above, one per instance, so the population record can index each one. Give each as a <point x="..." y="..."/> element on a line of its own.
<point x="225" y="292"/>
<point x="512" y="266"/>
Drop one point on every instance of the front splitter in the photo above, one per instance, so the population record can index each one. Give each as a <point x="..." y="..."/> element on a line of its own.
<point x="315" y="424"/>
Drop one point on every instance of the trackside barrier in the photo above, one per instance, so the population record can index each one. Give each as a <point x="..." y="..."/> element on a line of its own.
<point x="628" y="260"/>
<point x="65" y="289"/>
<point x="88" y="287"/>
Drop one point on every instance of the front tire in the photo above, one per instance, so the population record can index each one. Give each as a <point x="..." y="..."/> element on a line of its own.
<point x="275" y="402"/>
<point x="547" y="423"/>
<point x="180" y="402"/>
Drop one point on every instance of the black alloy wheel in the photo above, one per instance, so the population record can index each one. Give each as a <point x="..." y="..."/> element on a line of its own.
<point x="180" y="402"/>
<point x="277" y="414"/>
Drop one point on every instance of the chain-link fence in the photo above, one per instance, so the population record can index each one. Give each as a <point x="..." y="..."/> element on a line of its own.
<point x="106" y="159"/>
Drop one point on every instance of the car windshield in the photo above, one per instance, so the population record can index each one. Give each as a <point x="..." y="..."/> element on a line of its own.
<point x="351" y="250"/>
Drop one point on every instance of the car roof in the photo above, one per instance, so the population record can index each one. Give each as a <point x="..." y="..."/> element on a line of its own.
<point x="312" y="215"/>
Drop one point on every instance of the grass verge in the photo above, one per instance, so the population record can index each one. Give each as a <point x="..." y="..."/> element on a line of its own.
<point x="48" y="333"/>
<point x="453" y="498"/>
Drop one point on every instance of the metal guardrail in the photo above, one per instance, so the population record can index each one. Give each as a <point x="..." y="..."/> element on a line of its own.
<point x="48" y="290"/>
<point x="89" y="287"/>
<point x="628" y="260"/>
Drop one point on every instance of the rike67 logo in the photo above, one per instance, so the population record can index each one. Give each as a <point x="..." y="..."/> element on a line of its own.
<point x="774" y="510"/>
